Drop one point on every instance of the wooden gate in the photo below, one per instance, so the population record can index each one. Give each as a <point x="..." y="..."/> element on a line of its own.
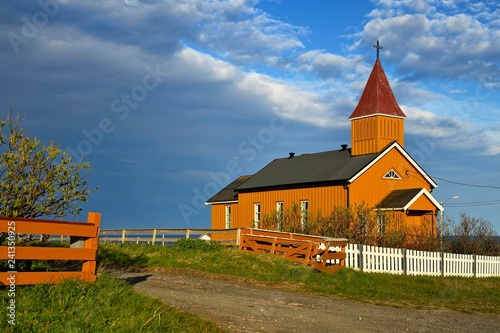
<point x="323" y="253"/>
<point x="83" y="248"/>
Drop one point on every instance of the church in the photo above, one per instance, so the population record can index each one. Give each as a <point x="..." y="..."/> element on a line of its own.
<point x="375" y="170"/>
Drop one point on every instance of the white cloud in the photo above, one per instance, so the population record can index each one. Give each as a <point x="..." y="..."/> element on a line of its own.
<point x="447" y="40"/>
<point x="428" y="124"/>
<point x="329" y="66"/>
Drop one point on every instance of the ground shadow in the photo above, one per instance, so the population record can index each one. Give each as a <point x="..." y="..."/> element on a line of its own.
<point x="133" y="280"/>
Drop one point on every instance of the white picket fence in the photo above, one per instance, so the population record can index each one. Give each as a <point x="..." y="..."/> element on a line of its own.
<point x="411" y="262"/>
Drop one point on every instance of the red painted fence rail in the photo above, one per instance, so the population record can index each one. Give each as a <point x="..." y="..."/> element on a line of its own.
<point x="83" y="247"/>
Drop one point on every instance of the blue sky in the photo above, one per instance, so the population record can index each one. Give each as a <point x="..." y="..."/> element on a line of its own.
<point x="171" y="100"/>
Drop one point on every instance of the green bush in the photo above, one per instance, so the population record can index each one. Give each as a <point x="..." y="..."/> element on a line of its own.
<point x="196" y="244"/>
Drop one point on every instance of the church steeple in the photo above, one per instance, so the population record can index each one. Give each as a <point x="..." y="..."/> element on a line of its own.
<point x="377" y="120"/>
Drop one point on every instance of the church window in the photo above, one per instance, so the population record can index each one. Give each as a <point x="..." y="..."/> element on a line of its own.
<point x="392" y="175"/>
<point x="304" y="207"/>
<point x="228" y="217"/>
<point x="279" y="214"/>
<point x="381" y="224"/>
<point x="256" y="214"/>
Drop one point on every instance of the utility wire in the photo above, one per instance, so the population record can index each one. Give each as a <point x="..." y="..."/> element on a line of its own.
<point x="464" y="184"/>
<point x="469" y="204"/>
<point x="472" y="204"/>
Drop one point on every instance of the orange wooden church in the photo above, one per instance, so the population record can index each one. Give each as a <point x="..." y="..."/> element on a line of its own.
<point x="376" y="170"/>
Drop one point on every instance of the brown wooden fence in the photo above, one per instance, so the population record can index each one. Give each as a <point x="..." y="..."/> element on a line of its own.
<point x="83" y="248"/>
<point x="323" y="253"/>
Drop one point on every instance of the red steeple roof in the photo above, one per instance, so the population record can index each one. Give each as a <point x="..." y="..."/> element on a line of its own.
<point x="377" y="98"/>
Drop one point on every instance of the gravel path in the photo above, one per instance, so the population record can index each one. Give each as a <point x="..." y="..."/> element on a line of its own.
<point x="239" y="306"/>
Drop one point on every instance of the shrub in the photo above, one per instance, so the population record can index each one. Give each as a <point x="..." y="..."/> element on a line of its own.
<point x="196" y="244"/>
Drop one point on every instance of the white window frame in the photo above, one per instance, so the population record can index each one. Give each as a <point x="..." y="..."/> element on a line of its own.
<point x="392" y="174"/>
<point x="256" y="214"/>
<point x="304" y="209"/>
<point x="228" y="217"/>
<point x="279" y="214"/>
<point x="381" y="224"/>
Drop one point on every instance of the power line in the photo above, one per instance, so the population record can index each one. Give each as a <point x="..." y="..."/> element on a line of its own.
<point x="464" y="184"/>
<point x="477" y="203"/>
<point x="474" y="204"/>
<point x="471" y="204"/>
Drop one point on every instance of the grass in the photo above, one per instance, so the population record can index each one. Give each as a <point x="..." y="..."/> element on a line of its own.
<point x="470" y="295"/>
<point x="108" y="305"/>
<point x="111" y="305"/>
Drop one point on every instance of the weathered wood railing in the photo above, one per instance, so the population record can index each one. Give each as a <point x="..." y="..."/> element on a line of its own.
<point x="323" y="253"/>
<point x="83" y="248"/>
<point x="159" y="236"/>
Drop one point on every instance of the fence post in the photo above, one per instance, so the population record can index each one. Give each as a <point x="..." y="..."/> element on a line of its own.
<point x="123" y="235"/>
<point x="360" y="258"/>
<point x="474" y="265"/>
<point x="405" y="262"/>
<point x="238" y="237"/>
<point x="188" y="233"/>
<point x="442" y="263"/>
<point x="89" y="267"/>
<point x="154" y="237"/>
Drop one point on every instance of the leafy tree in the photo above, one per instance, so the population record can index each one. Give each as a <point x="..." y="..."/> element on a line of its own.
<point x="38" y="180"/>
<point x="471" y="235"/>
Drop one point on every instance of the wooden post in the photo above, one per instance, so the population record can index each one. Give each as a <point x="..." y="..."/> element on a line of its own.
<point x="154" y="237"/>
<point x="361" y="261"/>
<point x="188" y="233"/>
<point x="238" y="237"/>
<point x="89" y="267"/>
<point x="405" y="262"/>
<point x="442" y="264"/>
<point x="123" y="235"/>
<point x="474" y="266"/>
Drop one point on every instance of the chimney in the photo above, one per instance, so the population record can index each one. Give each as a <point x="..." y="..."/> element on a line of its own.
<point x="344" y="147"/>
<point x="291" y="155"/>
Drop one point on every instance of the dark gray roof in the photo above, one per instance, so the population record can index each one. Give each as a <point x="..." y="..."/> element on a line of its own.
<point x="228" y="193"/>
<point x="317" y="168"/>
<point x="398" y="199"/>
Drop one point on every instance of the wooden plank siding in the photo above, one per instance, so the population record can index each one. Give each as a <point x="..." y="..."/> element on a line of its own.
<point x="323" y="198"/>
<point x="219" y="220"/>
<point x="219" y="215"/>
<point x="371" y="187"/>
<point x="372" y="134"/>
<point x="422" y="203"/>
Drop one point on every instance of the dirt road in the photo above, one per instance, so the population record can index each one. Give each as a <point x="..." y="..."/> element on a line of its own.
<point x="239" y="306"/>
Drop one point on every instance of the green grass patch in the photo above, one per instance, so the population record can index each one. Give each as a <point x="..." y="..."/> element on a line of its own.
<point x="108" y="305"/>
<point x="463" y="294"/>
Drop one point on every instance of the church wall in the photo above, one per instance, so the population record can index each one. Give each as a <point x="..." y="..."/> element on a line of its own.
<point x="219" y="219"/>
<point x="219" y="215"/>
<point x="423" y="203"/>
<point x="323" y="198"/>
<point x="371" y="187"/>
<point x="424" y="223"/>
<point x="372" y="134"/>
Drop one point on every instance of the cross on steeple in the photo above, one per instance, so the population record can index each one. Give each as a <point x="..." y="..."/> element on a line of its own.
<point x="378" y="47"/>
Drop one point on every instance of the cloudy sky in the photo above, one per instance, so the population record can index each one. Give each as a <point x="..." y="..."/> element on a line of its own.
<point x="170" y="100"/>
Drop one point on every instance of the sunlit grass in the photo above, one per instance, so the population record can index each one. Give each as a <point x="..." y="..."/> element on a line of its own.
<point x="108" y="305"/>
